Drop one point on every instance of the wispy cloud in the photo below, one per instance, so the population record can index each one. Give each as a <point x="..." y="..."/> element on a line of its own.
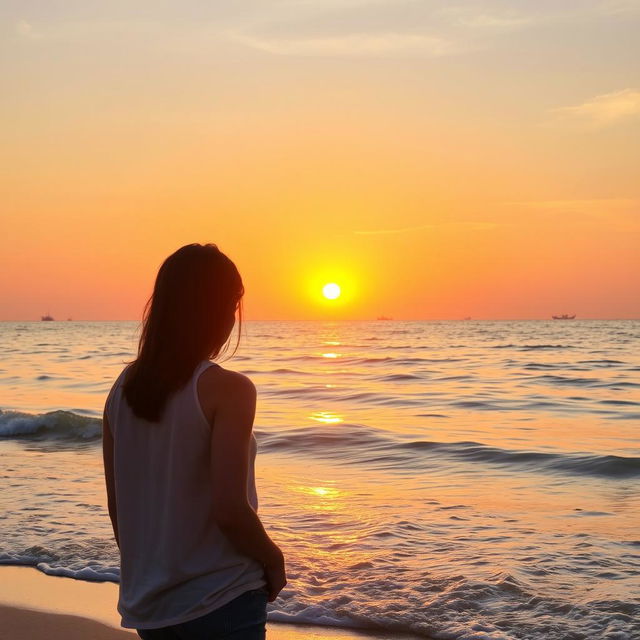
<point x="484" y="20"/>
<point x="616" y="214"/>
<point x="359" y="28"/>
<point x="339" y="4"/>
<point x="353" y="44"/>
<point x="344" y="28"/>
<point x="404" y="27"/>
<point x="475" y="17"/>
<point x="605" y="109"/>
<point x="478" y="226"/>
<point x="590" y="204"/>
<point x="380" y="232"/>
<point x="616" y="7"/>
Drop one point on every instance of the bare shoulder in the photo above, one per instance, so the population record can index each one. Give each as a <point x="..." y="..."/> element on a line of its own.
<point x="218" y="386"/>
<point x="224" y="381"/>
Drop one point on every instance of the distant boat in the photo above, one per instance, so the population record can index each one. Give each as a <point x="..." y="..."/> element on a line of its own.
<point x="467" y="318"/>
<point x="46" y="318"/>
<point x="564" y="316"/>
<point x="384" y="318"/>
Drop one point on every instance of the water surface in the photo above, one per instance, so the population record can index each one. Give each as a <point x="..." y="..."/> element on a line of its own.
<point x="454" y="479"/>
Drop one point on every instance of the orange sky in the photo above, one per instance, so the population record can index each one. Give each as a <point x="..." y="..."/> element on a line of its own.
<point x="435" y="161"/>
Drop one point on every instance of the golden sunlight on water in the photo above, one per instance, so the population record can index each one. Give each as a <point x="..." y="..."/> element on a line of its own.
<point x="322" y="498"/>
<point x="434" y="476"/>
<point x="327" y="417"/>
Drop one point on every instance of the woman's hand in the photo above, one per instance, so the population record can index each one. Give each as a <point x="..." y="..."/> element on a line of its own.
<point x="275" y="575"/>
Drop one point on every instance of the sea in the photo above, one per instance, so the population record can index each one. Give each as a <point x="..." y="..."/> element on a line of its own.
<point x="453" y="480"/>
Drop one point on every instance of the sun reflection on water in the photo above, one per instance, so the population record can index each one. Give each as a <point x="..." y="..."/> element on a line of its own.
<point x="321" y="498"/>
<point x="326" y="417"/>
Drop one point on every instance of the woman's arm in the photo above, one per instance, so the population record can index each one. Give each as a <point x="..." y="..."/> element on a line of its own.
<point x="107" y="456"/>
<point x="230" y="446"/>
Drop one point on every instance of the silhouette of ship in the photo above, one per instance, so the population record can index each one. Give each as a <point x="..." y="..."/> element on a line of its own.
<point x="47" y="318"/>
<point x="564" y="316"/>
<point x="384" y="318"/>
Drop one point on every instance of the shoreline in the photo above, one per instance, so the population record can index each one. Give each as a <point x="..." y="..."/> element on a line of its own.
<point x="34" y="605"/>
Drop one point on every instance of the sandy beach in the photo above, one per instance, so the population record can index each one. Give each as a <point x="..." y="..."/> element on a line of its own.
<point x="34" y="605"/>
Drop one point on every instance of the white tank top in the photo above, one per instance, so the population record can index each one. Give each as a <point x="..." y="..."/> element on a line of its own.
<point x="175" y="562"/>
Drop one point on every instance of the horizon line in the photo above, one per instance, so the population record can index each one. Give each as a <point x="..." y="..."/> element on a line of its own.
<point x="444" y="319"/>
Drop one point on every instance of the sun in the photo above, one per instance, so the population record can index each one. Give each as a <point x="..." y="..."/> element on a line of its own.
<point x="331" y="291"/>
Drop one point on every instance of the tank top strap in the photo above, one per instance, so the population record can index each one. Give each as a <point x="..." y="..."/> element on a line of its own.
<point x="202" y="367"/>
<point x="198" y="371"/>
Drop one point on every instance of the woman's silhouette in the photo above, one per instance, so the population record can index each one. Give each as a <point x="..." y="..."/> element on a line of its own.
<point x="179" y="455"/>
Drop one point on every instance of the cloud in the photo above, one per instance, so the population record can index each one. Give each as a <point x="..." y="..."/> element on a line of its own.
<point x="613" y="214"/>
<point x="617" y="7"/>
<point x="484" y="20"/>
<point x="336" y="4"/>
<point x="474" y="18"/>
<point x="379" y="232"/>
<point x="359" y="28"/>
<point x="24" y="29"/>
<point x="591" y="204"/>
<point x="605" y="109"/>
<point x="478" y="226"/>
<point x="353" y="44"/>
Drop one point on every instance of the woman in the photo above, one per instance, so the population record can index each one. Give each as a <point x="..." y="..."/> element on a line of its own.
<point x="179" y="456"/>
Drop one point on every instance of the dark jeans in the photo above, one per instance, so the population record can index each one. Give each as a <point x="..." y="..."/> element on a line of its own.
<point x="244" y="618"/>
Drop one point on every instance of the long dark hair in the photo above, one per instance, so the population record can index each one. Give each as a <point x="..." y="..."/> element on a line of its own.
<point x="187" y="319"/>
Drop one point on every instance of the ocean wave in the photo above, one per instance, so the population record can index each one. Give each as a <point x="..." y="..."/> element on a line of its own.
<point x="399" y="359"/>
<point x="399" y="377"/>
<point x="367" y="398"/>
<point x="608" y="466"/>
<point x="284" y="370"/>
<point x="351" y="443"/>
<point x="567" y="380"/>
<point x="47" y="562"/>
<point x="359" y="444"/>
<point x="442" y="607"/>
<point x="59" y="425"/>
<point x="531" y="347"/>
<point x="539" y="366"/>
